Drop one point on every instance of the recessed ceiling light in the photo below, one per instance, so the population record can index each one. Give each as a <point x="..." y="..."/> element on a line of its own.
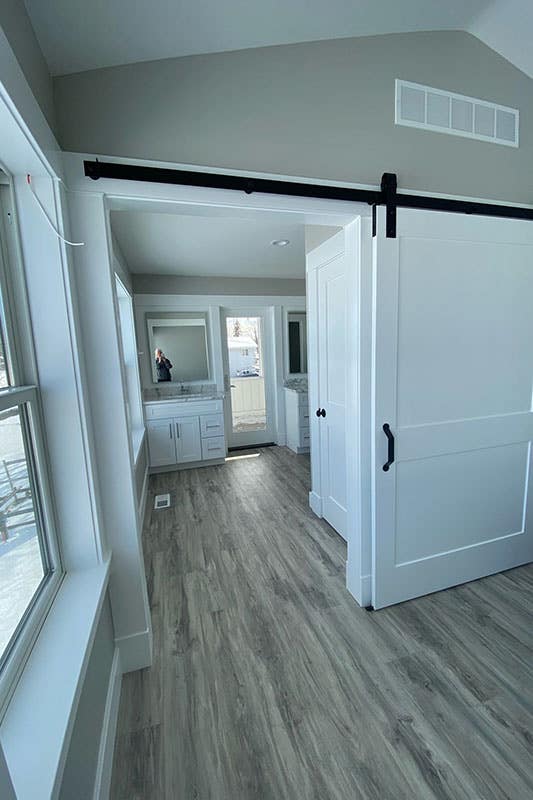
<point x="280" y="242"/>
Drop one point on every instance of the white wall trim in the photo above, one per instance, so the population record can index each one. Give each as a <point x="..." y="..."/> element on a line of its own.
<point x="135" y="650"/>
<point x="315" y="503"/>
<point x="104" y="768"/>
<point x="113" y="446"/>
<point x="359" y="586"/>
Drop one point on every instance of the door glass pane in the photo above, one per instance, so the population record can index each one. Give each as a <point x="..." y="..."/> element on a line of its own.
<point x="22" y="567"/>
<point x="248" y="406"/>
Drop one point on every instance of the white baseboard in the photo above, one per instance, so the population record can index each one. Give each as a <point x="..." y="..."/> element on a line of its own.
<point x="359" y="586"/>
<point x="144" y="497"/>
<point x="104" y="768"/>
<point x="366" y="590"/>
<point x="135" y="650"/>
<point x="315" y="503"/>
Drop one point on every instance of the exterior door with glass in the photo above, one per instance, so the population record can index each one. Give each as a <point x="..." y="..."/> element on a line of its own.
<point x="248" y="377"/>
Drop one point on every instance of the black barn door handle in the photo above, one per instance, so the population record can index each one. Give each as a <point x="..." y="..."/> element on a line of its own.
<point x="390" y="438"/>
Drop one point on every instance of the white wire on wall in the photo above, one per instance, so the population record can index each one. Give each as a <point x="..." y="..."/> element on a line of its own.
<point x="47" y="218"/>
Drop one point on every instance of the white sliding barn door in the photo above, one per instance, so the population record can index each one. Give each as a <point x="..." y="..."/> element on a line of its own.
<point x="453" y="378"/>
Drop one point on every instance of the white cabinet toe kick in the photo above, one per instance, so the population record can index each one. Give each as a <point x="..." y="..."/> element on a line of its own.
<point x="186" y="434"/>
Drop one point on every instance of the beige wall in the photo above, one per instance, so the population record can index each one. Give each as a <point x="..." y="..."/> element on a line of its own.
<point x="316" y="234"/>
<point x="18" y="29"/>
<point x="176" y="284"/>
<point x="320" y="110"/>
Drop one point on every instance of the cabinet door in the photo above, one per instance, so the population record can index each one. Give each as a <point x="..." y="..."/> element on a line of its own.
<point x="161" y="442"/>
<point x="188" y="441"/>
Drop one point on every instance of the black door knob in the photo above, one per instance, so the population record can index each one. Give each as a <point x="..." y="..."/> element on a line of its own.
<point x="321" y="412"/>
<point x="318" y="411"/>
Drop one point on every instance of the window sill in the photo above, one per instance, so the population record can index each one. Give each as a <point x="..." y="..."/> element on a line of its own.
<point x="44" y="704"/>
<point x="137" y="439"/>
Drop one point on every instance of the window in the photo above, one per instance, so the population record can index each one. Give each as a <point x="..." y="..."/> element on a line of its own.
<point x="244" y="351"/>
<point x="134" y="411"/>
<point x="29" y="558"/>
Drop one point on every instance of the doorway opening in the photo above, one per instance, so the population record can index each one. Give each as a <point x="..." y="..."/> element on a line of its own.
<point x="248" y="377"/>
<point x="260" y="303"/>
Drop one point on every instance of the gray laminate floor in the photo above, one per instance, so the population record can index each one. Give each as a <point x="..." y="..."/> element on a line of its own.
<point x="270" y="683"/>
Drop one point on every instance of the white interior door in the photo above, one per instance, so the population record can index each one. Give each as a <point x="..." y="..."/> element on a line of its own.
<point x="453" y="379"/>
<point x="332" y="286"/>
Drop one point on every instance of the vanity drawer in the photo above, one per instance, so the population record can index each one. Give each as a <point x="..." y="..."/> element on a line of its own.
<point x="214" y="447"/>
<point x="303" y="412"/>
<point x="305" y="437"/>
<point x="212" y="425"/>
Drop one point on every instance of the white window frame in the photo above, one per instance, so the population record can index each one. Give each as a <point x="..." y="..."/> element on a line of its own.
<point x="130" y="365"/>
<point x="24" y="394"/>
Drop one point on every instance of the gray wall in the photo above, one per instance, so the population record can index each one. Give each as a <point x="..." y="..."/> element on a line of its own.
<point x="321" y="109"/>
<point x="82" y="758"/>
<point x="19" y="31"/>
<point x="176" y="284"/>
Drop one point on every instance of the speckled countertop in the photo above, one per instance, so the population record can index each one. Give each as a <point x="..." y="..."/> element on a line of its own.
<point x="296" y="385"/>
<point x="171" y="394"/>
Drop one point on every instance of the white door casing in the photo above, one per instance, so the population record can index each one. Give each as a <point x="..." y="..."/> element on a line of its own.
<point x="453" y="375"/>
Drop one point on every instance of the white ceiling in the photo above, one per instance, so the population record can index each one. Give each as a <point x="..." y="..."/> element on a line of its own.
<point x="77" y="35"/>
<point x="167" y="244"/>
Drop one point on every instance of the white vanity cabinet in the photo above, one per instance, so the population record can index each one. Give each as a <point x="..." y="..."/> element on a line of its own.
<point x="185" y="432"/>
<point x="161" y="442"/>
<point x="188" y="441"/>
<point x="297" y="420"/>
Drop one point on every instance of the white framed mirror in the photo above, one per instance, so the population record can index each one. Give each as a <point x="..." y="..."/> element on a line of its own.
<point x="178" y="347"/>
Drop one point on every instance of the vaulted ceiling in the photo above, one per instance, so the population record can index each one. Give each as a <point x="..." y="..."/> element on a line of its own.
<point x="76" y="35"/>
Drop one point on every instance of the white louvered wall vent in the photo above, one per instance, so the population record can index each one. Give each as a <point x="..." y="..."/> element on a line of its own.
<point x="434" y="110"/>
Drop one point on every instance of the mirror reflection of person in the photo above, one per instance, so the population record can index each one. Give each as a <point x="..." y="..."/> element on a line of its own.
<point x="162" y="365"/>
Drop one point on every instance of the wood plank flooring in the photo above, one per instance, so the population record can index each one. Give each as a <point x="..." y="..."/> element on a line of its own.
<point x="270" y="683"/>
